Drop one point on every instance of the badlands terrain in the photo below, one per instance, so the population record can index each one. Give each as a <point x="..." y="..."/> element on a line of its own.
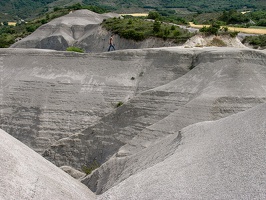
<point x="160" y="123"/>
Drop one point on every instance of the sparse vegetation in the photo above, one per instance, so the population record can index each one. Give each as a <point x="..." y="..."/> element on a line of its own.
<point x="75" y="49"/>
<point x="233" y="33"/>
<point x="256" y="41"/>
<point x="87" y="169"/>
<point x="217" y="42"/>
<point x="120" y="103"/>
<point x="212" y="29"/>
<point x="139" y="29"/>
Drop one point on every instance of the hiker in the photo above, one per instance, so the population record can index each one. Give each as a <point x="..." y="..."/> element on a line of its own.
<point x="111" y="43"/>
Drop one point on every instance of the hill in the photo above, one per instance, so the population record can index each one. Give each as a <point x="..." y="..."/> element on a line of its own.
<point x="83" y="28"/>
<point x="29" y="8"/>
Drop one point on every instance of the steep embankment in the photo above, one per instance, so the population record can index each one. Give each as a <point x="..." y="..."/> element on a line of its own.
<point x="82" y="29"/>
<point x="24" y="175"/>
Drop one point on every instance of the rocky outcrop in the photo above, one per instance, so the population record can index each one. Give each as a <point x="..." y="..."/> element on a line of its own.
<point x="24" y="175"/>
<point x="83" y="29"/>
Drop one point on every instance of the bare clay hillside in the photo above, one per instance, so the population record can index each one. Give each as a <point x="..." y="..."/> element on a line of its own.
<point x="161" y="123"/>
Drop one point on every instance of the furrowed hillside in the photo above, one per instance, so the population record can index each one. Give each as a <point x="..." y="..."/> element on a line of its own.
<point x="162" y="123"/>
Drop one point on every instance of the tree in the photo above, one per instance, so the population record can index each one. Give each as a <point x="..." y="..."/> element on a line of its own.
<point x="212" y="29"/>
<point x="153" y="15"/>
<point x="156" y="26"/>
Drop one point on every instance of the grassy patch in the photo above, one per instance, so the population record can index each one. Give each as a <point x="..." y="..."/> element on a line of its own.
<point x="87" y="169"/>
<point x="75" y="49"/>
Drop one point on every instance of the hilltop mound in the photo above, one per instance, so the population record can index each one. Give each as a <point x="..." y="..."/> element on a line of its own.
<point x="68" y="30"/>
<point x="219" y="41"/>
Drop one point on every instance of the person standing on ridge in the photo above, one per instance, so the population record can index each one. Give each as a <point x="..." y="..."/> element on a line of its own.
<point x="111" y="43"/>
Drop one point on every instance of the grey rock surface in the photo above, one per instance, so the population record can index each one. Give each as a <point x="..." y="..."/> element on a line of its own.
<point x="82" y="29"/>
<point x="25" y="175"/>
<point x="222" y="159"/>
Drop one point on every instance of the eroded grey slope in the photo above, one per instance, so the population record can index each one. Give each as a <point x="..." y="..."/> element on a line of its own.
<point x="223" y="82"/>
<point x="223" y="159"/>
<point x="49" y="95"/>
<point x="24" y="175"/>
<point x="160" y="94"/>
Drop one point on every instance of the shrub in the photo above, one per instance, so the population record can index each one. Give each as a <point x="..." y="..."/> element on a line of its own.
<point x="261" y="22"/>
<point x="75" y="49"/>
<point x="153" y="15"/>
<point x="56" y="9"/>
<point x="257" y="41"/>
<point x="212" y="29"/>
<point x="172" y="27"/>
<point x="225" y="29"/>
<point x="31" y="27"/>
<point x="120" y="103"/>
<point x="6" y="40"/>
<point x="217" y="42"/>
<point x="233" y="34"/>
<point x="132" y="34"/>
<point x="156" y="26"/>
<point x="177" y="33"/>
<point x="88" y="169"/>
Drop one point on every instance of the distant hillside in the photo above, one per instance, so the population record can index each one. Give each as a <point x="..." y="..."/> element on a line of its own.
<point x="30" y="8"/>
